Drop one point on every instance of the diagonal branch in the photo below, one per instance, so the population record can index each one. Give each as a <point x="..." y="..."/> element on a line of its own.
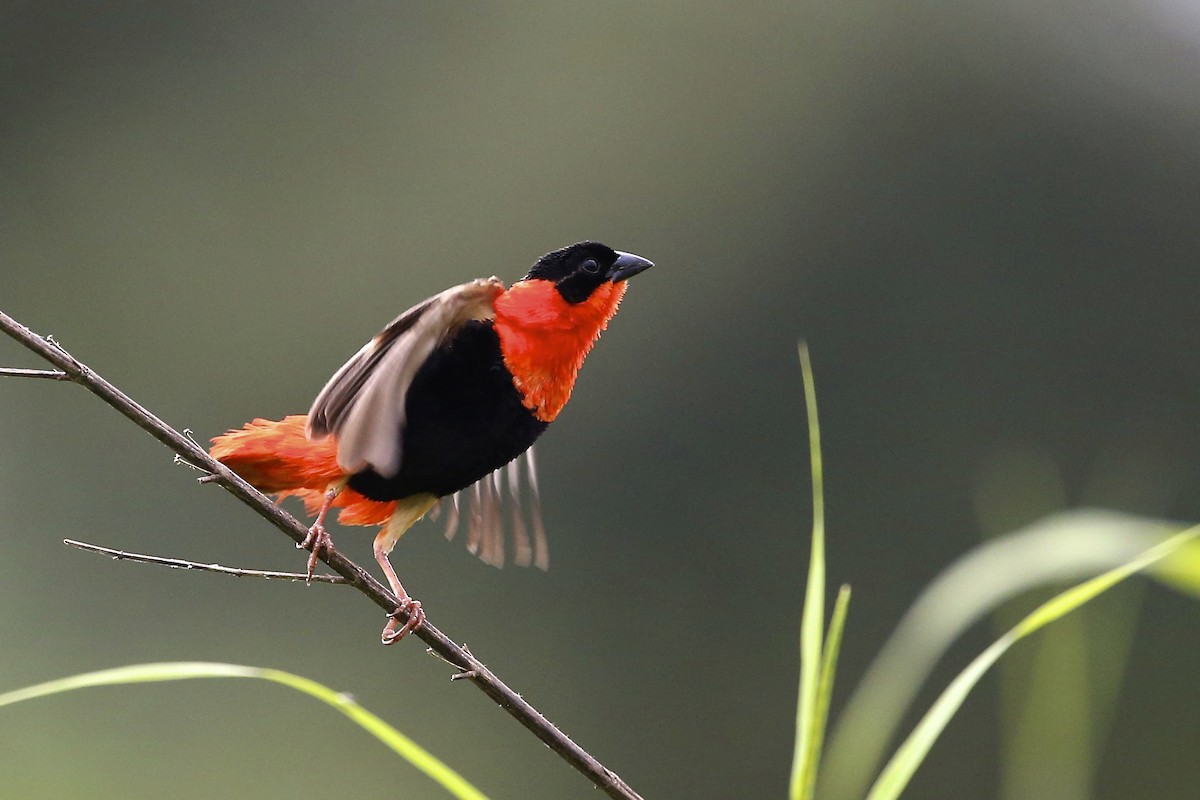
<point x="607" y="780"/>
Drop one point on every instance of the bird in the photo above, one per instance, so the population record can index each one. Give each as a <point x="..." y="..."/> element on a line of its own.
<point x="443" y="398"/>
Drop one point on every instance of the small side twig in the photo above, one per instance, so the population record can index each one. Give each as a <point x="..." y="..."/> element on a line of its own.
<point x="462" y="674"/>
<point x="48" y="374"/>
<point x="477" y="672"/>
<point x="179" y="563"/>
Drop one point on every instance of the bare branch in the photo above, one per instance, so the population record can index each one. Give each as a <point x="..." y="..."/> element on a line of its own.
<point x="179" y="563"/>
<point x="607" y="780"/>
<point x="49" y="374"/>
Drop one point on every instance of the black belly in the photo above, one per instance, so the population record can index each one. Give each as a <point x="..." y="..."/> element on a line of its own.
<point x="464" y="419"/>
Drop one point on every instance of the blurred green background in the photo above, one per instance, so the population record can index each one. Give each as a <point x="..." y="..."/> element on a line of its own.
<point x="983" y="216"/>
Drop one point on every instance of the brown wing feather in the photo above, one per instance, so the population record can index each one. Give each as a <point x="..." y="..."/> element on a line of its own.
<point x="335" y="397"/>
<point x="363" y="403"/>
<point x="483" y="504"/>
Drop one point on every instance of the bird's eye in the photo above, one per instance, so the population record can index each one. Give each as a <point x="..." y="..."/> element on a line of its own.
<point x="590" y="266"/>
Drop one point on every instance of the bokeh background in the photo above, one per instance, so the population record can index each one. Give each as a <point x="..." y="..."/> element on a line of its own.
<point x="983" y="216"/>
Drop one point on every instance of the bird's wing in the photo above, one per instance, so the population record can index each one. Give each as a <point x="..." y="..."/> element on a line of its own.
<point x="363" y="403"/>
<point x="512" y="489"/>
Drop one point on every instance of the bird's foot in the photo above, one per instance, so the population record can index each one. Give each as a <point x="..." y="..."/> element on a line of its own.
<point x="394" y="631"/>
<point x="316" y="542"/>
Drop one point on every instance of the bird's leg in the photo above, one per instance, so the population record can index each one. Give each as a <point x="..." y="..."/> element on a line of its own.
<point x="318" y="539"/>
<point x="408" y="615"/>
<point x="395" y="631"/>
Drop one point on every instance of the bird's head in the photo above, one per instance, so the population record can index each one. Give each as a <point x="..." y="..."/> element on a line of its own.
<point x="549" y="320"/>
<point x="578" y="270"/>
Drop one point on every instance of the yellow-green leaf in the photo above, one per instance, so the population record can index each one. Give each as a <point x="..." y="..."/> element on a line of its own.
<point x="416" y="755"/>
<point x="912" y="752"/>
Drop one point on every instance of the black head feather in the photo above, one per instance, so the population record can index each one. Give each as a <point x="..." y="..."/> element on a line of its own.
<point x="578" y="269"/>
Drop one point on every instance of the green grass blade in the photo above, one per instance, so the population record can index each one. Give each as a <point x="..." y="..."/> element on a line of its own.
<point x="416" y="755"/>
<point x="1048" y="713"/>
<point x="833" y="646"/>
<point x="1061" y="549"/>
<point x="912" y="752"/>
<point x="1181" y="570"/>
<point x="812" y="623"/>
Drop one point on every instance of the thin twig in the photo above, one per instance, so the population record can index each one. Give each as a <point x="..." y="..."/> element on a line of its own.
<point x="49" y="374"/>
<point x="607" y="780"/>
<point x="179" y="563"/>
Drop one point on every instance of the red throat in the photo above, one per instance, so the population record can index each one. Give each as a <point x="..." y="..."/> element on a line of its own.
<point x="544" y="339"/>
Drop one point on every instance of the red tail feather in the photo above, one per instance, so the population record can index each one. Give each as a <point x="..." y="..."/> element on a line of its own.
<point x="277" y="458"/>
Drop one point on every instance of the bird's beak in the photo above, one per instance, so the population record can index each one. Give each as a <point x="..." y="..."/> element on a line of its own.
<point x="626" y="266"/>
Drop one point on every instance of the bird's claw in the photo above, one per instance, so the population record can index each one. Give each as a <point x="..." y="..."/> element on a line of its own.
<point x="316" y="542"/>
<point x="394" y="631"/>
